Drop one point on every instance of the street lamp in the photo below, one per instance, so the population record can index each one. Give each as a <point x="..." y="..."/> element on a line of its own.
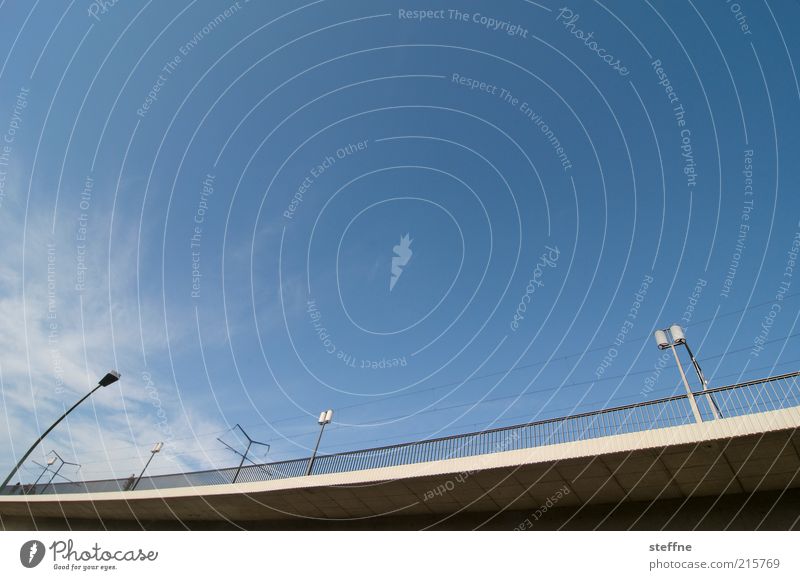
<point x="63" y="463"/>
<point x="324" y="418"/>
<point x="110" y="378"/>
<point x="680" y="338"/>
<point x="670" y="338"/>
<point x="156" y="448"/>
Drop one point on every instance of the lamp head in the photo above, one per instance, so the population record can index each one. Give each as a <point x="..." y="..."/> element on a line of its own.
<point x="157" y="447"/>
<point x="661" y="339"/>
<point x="110" y="378"/>
<point x="677" y="334"/>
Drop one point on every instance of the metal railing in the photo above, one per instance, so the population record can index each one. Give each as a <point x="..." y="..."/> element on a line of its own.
<point x="770" y="394"/>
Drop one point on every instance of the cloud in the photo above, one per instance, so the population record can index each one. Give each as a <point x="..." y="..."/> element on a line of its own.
<point x="57" y="342"/>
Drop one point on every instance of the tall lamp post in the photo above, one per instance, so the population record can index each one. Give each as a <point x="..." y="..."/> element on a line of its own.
<point x="156" y="448"/>
<point x="670" y="338"/>
<point x="324" y="418"/>
<point x="110" y="378"/>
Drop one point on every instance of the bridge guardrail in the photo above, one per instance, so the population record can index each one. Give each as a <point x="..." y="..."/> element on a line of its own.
<point x="757" y="396"/>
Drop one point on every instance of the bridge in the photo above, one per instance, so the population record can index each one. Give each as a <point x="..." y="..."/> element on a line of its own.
<point x="727" y="457"/>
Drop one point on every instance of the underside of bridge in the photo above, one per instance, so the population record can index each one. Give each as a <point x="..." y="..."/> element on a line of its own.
<point x="742" y="482"/>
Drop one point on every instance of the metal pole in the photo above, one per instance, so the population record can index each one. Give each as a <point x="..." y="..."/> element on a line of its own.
<point x="138" y="479"/>
<point x="313" y="455"/>
<point x="108" y="379"/>
<point x="250" y="442"/>
<point x="689" y="394"/>
<point x="40" y="476"/>
<point x="47" y="467"/>
<point x="697" y="368"/>
<point x="261" y="467"/>
<point x="39" y="440"/>
<point x="703" y="382"/>
<point x="52" y="478"/>
<point x="246" y="451"/>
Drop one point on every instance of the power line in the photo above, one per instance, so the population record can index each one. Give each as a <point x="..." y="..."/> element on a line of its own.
<point x="438" y="409"/>
<point x="492" y="374"/>
<point x="537" y="392"/>
<point x="198" y="436"/>
<point x="379" y="400"/>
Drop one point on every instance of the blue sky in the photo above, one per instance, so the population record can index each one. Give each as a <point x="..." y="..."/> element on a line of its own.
<point x="208" y="196"/>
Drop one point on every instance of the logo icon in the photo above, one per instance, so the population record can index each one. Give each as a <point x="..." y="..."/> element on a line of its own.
<point x="402" y="256"/>
<point x="31" y="553"/>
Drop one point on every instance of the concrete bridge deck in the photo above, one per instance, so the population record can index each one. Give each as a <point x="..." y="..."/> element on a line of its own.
<point x="739" y="472"/>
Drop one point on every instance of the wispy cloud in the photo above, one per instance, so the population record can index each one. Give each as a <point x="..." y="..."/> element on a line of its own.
<point x="57" y="341"/>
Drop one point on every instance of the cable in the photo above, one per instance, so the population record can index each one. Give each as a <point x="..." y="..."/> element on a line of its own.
<point x="198" y="436"/>
<point x="458" y="426"/>
<point x="488" y="375"/>
<point x="529" y="393"/>
<point x="533" y="364"/>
